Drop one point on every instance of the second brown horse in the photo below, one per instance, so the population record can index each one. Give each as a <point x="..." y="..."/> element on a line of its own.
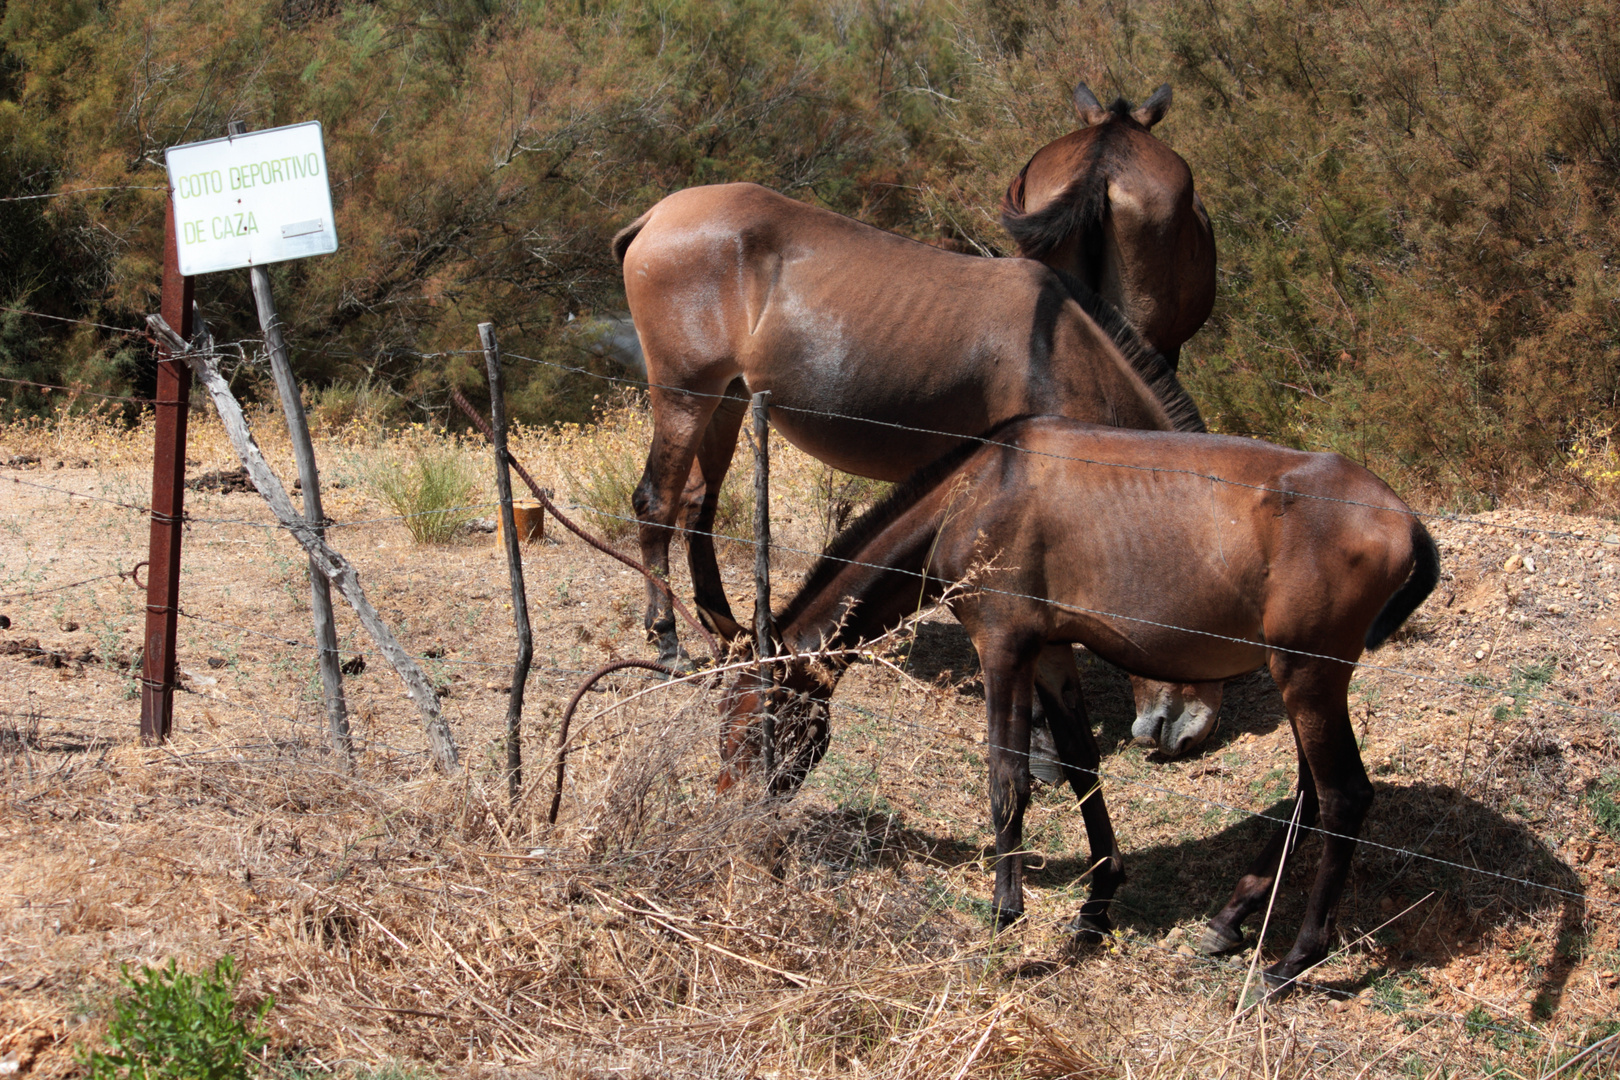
<point x="878" y="351"/>
<point x="1175" y="557"/>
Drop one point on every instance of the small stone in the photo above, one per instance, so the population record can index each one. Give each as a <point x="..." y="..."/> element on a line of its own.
<point x="216" y="662"/>
<point x="1479" y="654"/>
<point x="1529" y="564"/>
<point x="68" y="626"/>
<point x="1555" y="609"/>
<point x="1185" y="950"/>
<point x="1176" y="934"/>
<point x="1514" y="561"/>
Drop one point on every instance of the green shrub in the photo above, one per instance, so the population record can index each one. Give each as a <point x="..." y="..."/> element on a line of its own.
<point x="172" y="1024"/>
<point x="431" y="485"/>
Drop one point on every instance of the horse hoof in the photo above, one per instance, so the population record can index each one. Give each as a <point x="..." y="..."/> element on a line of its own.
<point x="1091" y="929"/>
<point x="1005" y="917"/>
<point x="1278" y="985"/>
<point x="1216" y="942"/>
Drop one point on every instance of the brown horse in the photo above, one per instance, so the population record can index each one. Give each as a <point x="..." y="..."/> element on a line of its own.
<point x="862" y="338"/>
<point x="1068" y="532"/>
<point x="1115" y="207"/>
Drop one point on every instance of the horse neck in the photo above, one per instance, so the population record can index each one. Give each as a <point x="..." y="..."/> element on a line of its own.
<point x="860" y="592"/>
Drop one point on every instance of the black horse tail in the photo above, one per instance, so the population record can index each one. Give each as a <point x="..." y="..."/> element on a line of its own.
<point x="1425" y="576"/>
<point x="621" y="240"/>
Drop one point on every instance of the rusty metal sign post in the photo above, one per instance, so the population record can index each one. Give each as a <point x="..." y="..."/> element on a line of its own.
<point x="168" y="501"/>
<point x="247" y="201"/>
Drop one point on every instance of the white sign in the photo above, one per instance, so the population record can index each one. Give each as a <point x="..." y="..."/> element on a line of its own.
<point x="251" y="199"/>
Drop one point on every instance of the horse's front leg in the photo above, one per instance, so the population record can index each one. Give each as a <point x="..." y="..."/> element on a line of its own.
<point x="1007" y="693"/>
<point x="1057" y="686"/>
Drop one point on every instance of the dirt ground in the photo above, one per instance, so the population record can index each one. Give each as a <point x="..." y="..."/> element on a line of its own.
<point x="406" y="921"/>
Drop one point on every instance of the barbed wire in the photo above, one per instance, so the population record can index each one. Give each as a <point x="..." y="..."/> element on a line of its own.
<point x="80" y="322"/>
<point x="83" y="191"/>
<point x="1401" y="672"/>
<point x="915" y="430"/>
<point x="80" y="392"/>
<point x="330" y="524"/>
<point x="371" y="655"/>
<point x="32" y="593"/>
<point x="78" y="494"/>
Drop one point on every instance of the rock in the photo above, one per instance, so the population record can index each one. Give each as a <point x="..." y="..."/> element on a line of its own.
<point x="216" y="661"/>
<point x="1514" y="561"/>
<point x="1529" y="564"/>
<point x="68" y="626"/>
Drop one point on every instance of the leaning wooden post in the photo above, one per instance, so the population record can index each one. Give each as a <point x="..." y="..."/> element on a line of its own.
<point x="320" y="590"/>
<point x="764" y="631"/>
<point x="514" y="565"/>
<point x="168" y="500"/>
<point x="337" y="569"/>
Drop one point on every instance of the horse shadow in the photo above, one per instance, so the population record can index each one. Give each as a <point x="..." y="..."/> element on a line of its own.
<point x="1463" y="868"/>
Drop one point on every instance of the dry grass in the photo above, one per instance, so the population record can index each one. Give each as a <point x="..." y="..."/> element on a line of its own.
<point x="661" y="930"/>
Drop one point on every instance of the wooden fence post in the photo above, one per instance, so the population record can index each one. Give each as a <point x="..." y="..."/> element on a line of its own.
<point x="320" y="590"/>
<point x="514" y="565"/>
<point x="764" y="630"/>
<point x="168" y="500"/>
<point x="337" y="569"/>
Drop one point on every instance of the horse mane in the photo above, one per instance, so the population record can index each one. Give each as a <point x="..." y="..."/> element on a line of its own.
<point x="901" y="498"/>
<point x="1078" y="210"/>
<point x="1148" y="363"/>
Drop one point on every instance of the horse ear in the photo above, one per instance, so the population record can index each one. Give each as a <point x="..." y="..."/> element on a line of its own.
<point x="1086" y="106"/>
<point x="1154" y="108"/>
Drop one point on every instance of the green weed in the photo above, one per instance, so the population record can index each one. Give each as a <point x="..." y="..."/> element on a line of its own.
<point x="172" y="1025"/>
<point x="1604" y="803"/>
<point x="431" y="485"/>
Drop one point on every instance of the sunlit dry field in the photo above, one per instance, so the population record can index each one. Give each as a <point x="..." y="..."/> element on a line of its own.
<point x="408" y="923"/>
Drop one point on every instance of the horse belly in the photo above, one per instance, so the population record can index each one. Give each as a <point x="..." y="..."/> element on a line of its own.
<point x="1158" y="603"/>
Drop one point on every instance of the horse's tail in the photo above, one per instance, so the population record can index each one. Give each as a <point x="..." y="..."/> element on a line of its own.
<point x="1425" y="576"/>
<point x="621" y="240"/>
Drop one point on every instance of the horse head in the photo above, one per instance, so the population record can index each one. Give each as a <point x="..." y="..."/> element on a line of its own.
<point x="1113" y="205"/>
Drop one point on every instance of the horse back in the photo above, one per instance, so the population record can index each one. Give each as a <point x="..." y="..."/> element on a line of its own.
<point x="1225" y="537"/>
<point x="833" y="315"/>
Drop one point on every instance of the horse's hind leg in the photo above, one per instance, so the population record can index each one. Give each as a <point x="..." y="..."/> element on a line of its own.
<point x="679" y="422"/>
<point x="1225" y="931"/>
<point x="1057" y="686"/>
<point x="1314" y="693"/>
<point x="703" y="498"/>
